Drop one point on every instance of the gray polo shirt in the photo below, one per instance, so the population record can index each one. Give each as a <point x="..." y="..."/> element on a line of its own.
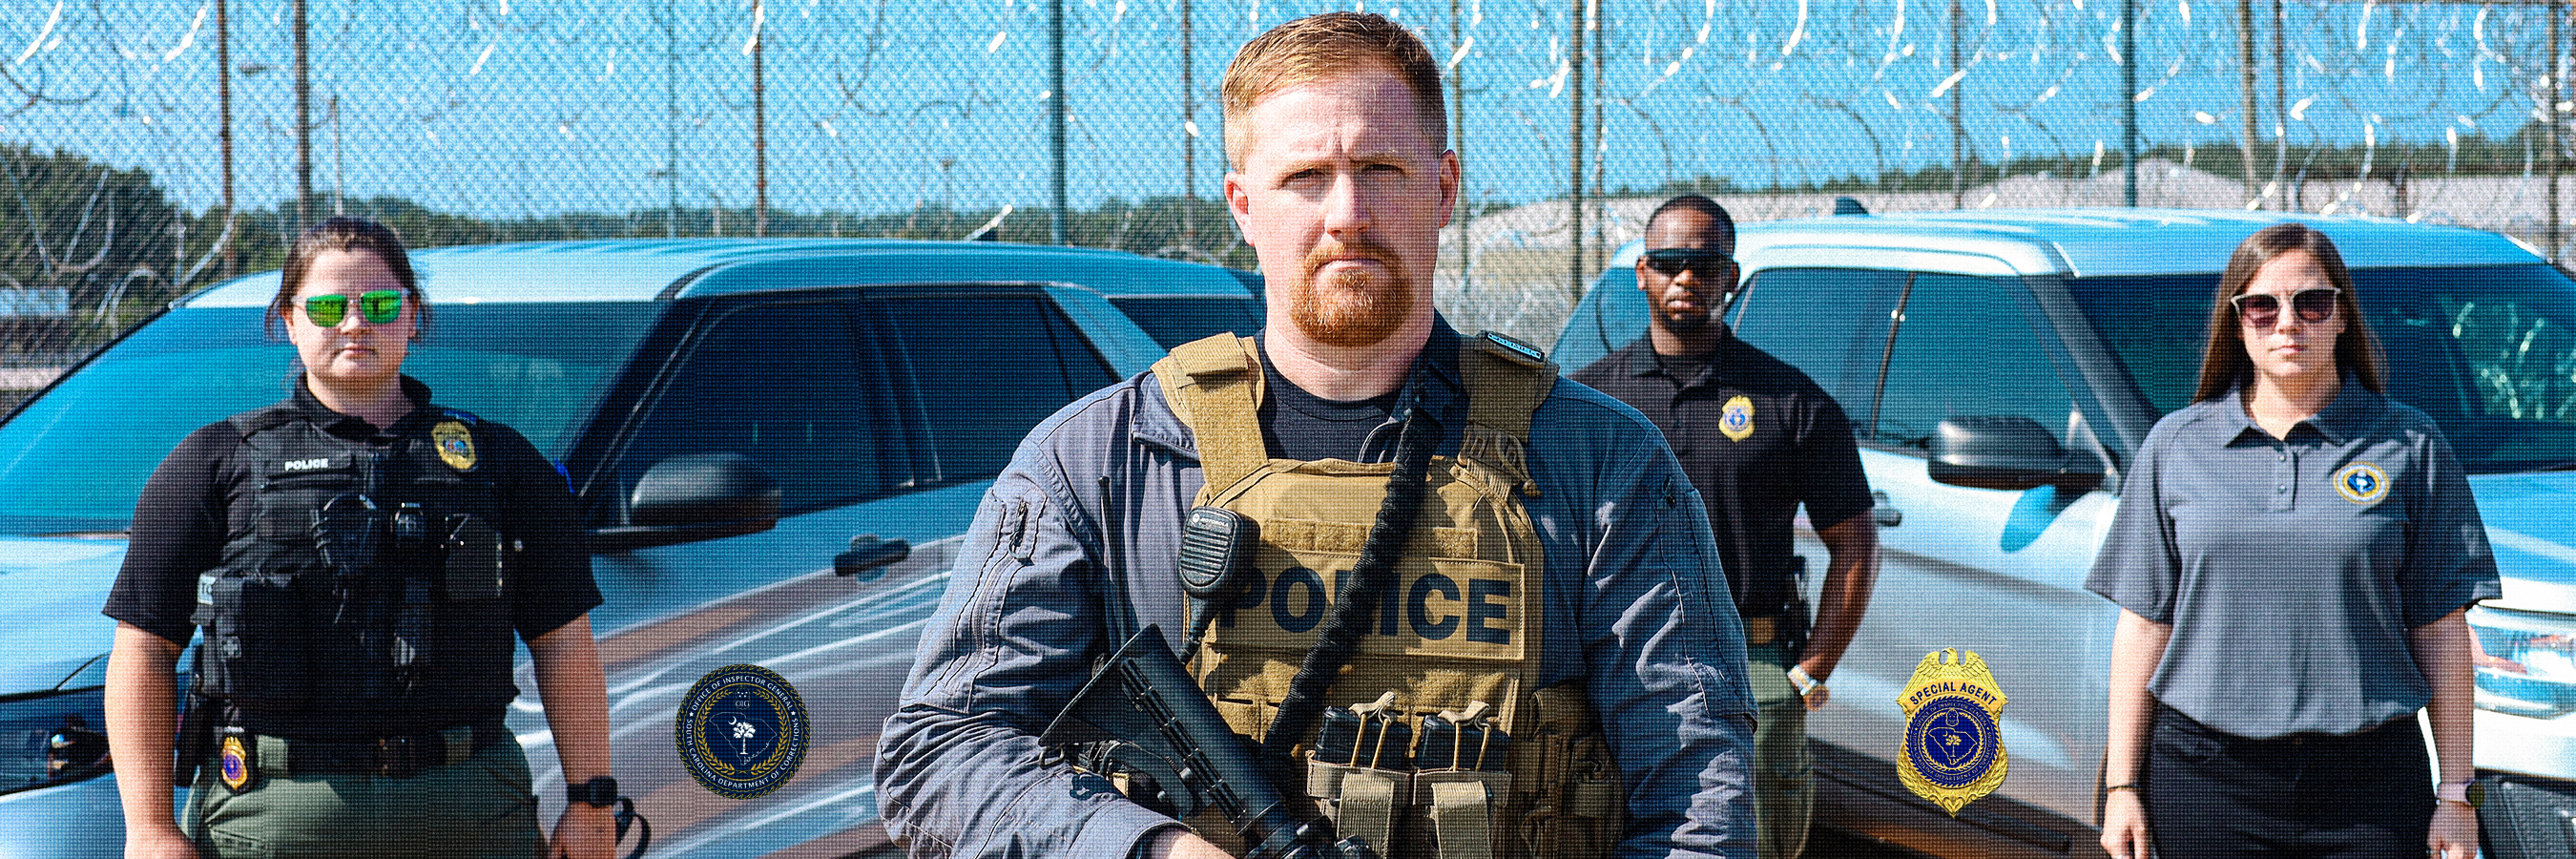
<point x="2292" y="569"/>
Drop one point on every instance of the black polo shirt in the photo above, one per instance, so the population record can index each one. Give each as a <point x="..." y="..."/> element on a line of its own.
<point x="1758" y="438"/>
<point x="201" y="496"/>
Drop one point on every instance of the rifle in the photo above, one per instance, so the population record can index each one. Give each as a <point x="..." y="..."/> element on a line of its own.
<point x="1160" y="725"/>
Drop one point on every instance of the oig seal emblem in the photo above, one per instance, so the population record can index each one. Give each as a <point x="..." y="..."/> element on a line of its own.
<point x="741" y="731"/>
<point x="1735" y="419"/>
<point x="2361" y="483"/>
<point x="1954" y="750"/>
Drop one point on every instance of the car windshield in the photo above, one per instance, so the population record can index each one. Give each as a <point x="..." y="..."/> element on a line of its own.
<point x="73" y="460"/>
<point x="2489" y="351"/>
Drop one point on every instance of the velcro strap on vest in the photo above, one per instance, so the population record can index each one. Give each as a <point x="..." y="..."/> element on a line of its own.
<point x="1462" y="809"/>
<point x="1506" y="380"/>
<point x="1215" y="385"/>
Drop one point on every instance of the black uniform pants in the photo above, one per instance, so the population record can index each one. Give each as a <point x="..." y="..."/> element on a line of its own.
<point x="2214" y="794"/>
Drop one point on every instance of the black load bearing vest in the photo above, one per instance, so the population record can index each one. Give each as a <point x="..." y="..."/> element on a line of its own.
<point x="364" y="594"/>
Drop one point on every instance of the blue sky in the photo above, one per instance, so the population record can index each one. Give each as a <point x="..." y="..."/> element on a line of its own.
<point x="502" y="108"/>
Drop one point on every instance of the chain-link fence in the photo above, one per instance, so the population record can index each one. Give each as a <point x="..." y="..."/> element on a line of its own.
<point x="148" y="148"/>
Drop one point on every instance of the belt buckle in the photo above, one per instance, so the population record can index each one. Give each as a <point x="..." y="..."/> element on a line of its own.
<point x="397" y="757"/>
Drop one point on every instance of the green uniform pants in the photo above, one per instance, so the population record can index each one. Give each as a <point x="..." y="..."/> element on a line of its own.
<point x="478" y="807"/>
<point x="1784" y="784"/>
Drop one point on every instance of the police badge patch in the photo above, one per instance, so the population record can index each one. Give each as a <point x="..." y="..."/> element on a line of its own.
<point x="1735" y="419"/>
<point x="1954" y="747"/>
<point x="741" y="731"/>
<point x="455" y="444"/>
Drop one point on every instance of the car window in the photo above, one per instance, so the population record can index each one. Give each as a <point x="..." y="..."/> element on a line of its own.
<point x="987" y="368"/>
<point x="1174" y="320"/>
<point x="784" y="384"/>
<point x="1830" y="323"/>
<point x="74" y="459"/>
<point x="1965" y="346"/>
<point x="2489" y="352"/>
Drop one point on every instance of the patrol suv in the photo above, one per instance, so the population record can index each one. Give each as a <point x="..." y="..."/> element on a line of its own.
<point x="779" y="444"/>
<point x="2001" y="367"/>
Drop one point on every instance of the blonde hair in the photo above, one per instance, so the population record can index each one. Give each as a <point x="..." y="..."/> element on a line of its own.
<point x="1320" y="46"/>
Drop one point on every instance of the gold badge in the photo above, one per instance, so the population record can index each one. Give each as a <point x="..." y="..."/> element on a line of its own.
<point x="1735" y="419"/>
<point x="455" y="444"/>
<point x="234" y="763"/>
<point x="1954" y="742"/>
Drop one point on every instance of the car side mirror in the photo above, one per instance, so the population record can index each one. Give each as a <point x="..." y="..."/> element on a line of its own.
<point x="2007" y="452"/>
<point x="692" y="497"/>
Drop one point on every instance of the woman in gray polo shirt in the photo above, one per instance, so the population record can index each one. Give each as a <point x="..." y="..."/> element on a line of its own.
<point x="2292" y="558"/>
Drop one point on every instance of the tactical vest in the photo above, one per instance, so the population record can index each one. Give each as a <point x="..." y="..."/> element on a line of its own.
<point x="1441" y="742"/>
<point x="364" y="595"/>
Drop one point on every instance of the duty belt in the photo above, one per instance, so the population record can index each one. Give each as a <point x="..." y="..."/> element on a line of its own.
<point x="396" y="756"/>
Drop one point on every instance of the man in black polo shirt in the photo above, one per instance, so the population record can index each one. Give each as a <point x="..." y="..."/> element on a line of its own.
<point x="1758" y="438"/>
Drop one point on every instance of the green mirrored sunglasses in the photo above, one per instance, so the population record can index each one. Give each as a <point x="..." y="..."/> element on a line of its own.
<point x="380" y="307"/>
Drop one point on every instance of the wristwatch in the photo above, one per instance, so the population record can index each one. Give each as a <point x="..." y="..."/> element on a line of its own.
<point x="599" y="792"/>
<point x="2471" y="793"/>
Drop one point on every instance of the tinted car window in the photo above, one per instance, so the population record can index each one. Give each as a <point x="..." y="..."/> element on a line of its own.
<point x="75" y="458"/>
<point x="783" y="384"/>
<point x="1965" y="347"/>
<point x="988" y="368"/>
<point x="1172" y="321"/>
<point x="1831" y="323"/>
<point x="2489" y="352"/>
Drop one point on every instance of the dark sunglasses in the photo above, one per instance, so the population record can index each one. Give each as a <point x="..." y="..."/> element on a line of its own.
<point x="2263" y="310"/>
<point x="380" y="307"/>
<point x="1671" y="261"/>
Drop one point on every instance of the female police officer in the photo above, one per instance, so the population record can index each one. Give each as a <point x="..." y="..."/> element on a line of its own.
<point x="358" y="558"/>
<point x="2292" y="558"/>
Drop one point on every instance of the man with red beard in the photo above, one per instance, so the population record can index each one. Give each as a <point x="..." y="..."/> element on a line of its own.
<point x="1758" y="438"/>
<point x="1478" y="611"/>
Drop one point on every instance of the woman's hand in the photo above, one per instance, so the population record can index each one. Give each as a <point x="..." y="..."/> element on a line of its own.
<point x="165" y="842"/>
<point x="2124" y="826"/>
<point x="2455" y="831"/>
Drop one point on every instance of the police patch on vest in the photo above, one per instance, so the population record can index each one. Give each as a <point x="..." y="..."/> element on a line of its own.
<point x="2361" y="483"/>
<point x="1954" y="747"/>
<point x="233" y="763"/>
<point x="741" y="731"/>
<point x="1735" y="419"/>
<point x="455" y="444"/>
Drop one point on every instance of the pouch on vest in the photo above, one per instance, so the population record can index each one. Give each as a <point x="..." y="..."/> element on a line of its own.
<point x="254" y="648"/>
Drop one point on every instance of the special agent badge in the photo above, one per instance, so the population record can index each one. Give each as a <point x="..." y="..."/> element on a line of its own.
<point x="1954" y="751"/>
<point x="741" y="731"/>
<point x="233" y="762"/>
<point x="1735" y="419"/>
<point x="455" y="444"/>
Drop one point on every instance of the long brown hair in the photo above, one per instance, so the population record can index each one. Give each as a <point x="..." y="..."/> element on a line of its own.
<point x="2223" y="362"/>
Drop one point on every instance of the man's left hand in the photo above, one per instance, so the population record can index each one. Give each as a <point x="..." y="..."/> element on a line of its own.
<point x="584" y="831"/>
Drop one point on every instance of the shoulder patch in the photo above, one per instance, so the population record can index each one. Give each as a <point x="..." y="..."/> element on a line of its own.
<point x="2361" y="483"/>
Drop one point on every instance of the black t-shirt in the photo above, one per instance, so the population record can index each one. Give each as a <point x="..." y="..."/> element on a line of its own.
<point x="1301" y="426"/>
<point x="1758" y="437"/>
<point x="202" y="494"/>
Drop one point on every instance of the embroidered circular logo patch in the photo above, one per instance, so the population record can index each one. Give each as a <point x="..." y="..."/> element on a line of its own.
<point x="2361" y="483"/>
<point x="741" y="731"/>
<point x="1735" y="419"/>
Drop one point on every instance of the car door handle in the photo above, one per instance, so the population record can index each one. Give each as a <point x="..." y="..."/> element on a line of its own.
<point x="869" y="555"/>
<point x="1886" y="515"/>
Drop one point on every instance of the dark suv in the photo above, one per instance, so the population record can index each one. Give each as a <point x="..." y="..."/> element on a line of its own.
<point x="732" y="414"/>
